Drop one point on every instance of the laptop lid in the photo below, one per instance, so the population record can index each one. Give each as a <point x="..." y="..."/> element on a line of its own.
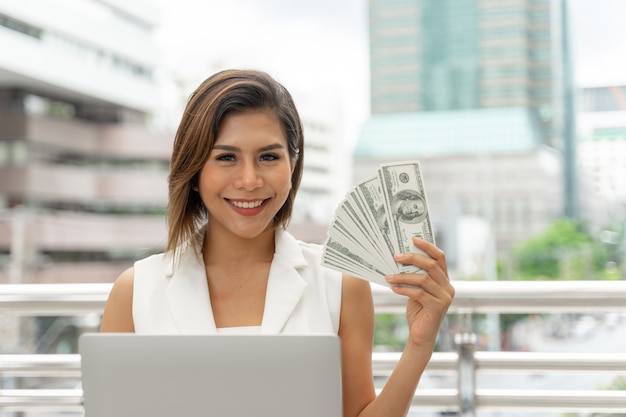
<point x="125" y="374"/>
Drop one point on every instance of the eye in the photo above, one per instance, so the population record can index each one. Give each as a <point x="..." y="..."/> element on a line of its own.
<point x="225" y="157"/>
<point x="269" y="157"/>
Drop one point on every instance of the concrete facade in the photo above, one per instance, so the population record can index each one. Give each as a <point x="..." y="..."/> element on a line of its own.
<point x="82" y="174"/>
<point x="518" y="193"/>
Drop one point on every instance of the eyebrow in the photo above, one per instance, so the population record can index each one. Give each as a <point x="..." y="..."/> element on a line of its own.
<point x="236" y="149"/>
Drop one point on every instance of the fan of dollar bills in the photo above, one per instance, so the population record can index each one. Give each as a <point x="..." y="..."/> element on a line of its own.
<point x="377" y="219"/>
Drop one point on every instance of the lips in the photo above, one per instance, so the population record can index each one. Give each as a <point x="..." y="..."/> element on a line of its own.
<point x="248" y="208"/>
<point x="246" y="204"/>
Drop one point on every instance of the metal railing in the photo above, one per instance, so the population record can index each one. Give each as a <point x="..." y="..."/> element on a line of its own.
<point x="471" y="297"/>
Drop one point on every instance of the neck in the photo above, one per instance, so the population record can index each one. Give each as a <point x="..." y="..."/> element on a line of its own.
<point x="220" y="249"/>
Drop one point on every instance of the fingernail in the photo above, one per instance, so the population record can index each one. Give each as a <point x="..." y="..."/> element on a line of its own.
<point x="398" y="256"/>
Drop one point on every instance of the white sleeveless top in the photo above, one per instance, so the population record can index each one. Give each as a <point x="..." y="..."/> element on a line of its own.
<point x="302" y="296"/>
<point x="239" y="330"/>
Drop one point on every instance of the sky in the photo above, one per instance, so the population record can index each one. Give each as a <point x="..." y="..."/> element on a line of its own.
<point x="598" y="32"/>
<point x="319" y="48"/>
<point x="316" y="48"/>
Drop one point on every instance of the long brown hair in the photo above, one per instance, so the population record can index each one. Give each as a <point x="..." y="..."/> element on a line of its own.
<point x="225" y="92"/>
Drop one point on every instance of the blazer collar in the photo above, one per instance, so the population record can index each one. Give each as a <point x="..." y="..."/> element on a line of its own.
<point x="285" y="285"/>
<point x="188" y="295"/>
<point x="188" y="292"/>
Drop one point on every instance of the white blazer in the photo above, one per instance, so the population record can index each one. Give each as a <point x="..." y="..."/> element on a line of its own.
<point x="302" y="297"/>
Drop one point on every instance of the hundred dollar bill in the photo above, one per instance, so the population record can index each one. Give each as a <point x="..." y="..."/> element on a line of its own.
<point x="340" y="258"/>
<point x="358" y="223"/>
<point x="370" y="192"/>
<point x="354" y="242"/>
<point x="406" y="206"/>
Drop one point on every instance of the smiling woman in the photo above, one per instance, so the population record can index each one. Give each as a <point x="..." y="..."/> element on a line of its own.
<point x="230" y="265"/>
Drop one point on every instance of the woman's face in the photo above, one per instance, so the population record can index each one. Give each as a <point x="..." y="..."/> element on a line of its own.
<point x="247" y="177"/>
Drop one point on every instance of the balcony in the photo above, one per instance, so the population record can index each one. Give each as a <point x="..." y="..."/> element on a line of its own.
<point x="113" y="140"/>
<point x="60" y="67"/>
<point x="465" y="366"/>
<point x="84" y="231"/>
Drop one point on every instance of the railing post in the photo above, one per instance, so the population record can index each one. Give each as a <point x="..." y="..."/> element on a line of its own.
<point x="465" y="342"/>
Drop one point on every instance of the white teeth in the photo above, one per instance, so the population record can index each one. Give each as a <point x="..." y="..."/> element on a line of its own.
<point x="246" y="204"/>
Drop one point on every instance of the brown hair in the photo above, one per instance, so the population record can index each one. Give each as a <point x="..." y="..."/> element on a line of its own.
<point x="229" y="91"/>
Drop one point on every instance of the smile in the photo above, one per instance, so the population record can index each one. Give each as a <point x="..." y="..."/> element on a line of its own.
<point x="246" y="204"/>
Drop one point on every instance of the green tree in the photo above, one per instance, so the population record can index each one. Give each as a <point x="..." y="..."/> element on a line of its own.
<point x="563" y="251"/>
<point x="389" y="332"/>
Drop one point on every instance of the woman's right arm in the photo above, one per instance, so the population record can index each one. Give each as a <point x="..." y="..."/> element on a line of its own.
<point x="118" y="311"/>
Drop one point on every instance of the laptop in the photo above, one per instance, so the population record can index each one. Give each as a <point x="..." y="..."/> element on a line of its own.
<point x="125" y="374"/>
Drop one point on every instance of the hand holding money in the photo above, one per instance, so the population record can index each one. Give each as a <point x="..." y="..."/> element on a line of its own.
<point x="377" y="219"/>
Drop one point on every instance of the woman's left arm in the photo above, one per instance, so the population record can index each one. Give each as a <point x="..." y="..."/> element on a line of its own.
<point x="429" y="296"/>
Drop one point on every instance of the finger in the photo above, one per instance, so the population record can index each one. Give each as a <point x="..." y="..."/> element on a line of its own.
<point x="405" y="280"/>
<point x="420" y="281"/>
<point x="426" y="292"/>
<point x="432" y="251"/>
<point x="432" y="267"/>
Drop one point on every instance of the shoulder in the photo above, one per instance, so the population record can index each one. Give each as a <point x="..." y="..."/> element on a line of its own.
<point x="310" y="250"/>
<point x="117" y="314"/>
<point x="312" y="253"/>
<point x="285" y="242"/>
<point x="152" y="269"/>
<point x="297" y="252"/>
<point x="123" y="286"/>
<point x="124" y="281"/>
<point x="152" y="260"/>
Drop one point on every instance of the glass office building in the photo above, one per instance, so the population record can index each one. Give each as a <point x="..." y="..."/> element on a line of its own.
<point x="438" y="55"/>
<point x="474" y="90"/>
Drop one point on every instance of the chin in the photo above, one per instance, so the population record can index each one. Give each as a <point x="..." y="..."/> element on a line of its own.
<point x="251" y="233"/>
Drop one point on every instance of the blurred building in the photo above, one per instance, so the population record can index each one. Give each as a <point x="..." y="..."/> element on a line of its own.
<point x="434" y="55"/>
<point x="474" y="90"/>
<point x="602" y="154"/>
<point x="82" y="175"/>
<point x="516" y="187"/>
<point x="327" y="167"/>
<point x="85" y="144"/>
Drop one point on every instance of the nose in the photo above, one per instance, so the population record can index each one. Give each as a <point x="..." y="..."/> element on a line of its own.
<point x="248" y="177"/>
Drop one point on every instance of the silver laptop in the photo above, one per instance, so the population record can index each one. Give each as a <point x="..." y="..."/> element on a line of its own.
<point x="125" y="374"/>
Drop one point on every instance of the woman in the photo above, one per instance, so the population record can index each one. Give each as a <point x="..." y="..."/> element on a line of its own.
<point x="230" y="266"/>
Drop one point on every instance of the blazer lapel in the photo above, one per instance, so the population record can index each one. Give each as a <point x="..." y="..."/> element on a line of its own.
<point x="285" y="285"/>
<point x="188" y="294"/>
